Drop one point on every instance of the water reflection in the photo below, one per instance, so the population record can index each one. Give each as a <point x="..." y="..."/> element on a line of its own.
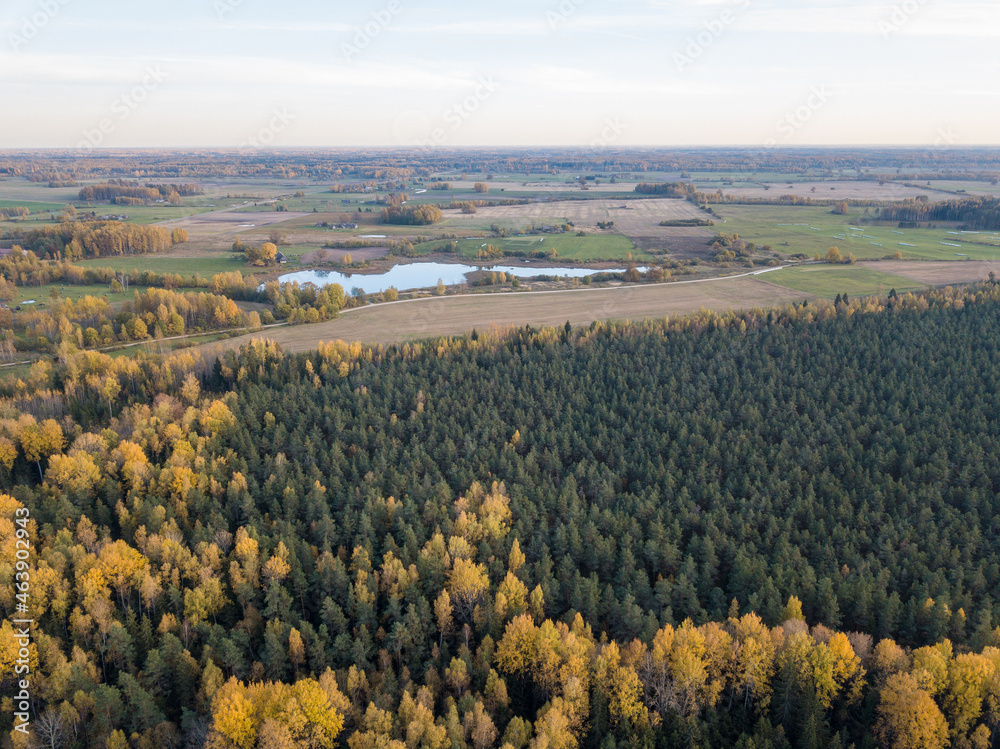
<point x="426" y="275"/>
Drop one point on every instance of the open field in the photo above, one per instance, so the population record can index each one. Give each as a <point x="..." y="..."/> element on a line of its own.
<point x="560" y="183"/>
<point x="828" y="281"/>
<point x="331" y="256"/>
<point x="436" y="316"/>
<point x="567" y="246"/>
<point x="639" y="220"/>
<point x="31" y="205"/>
<point x="18" y="190"/>
<point x="757" y="176"/>
<point x="153" y="214"/>
<point x="938" y="274"/>
<point x="144" y="214"/>
<point x="216" y="231"/>
<point x="42" y="295"/>
<point x="454" y="315"/>
<point x="965" y="189"/>
<point x="813" y="230"/>
<point x="15" y="371"/>
<point x="826" y="190"/>
<point x="163" y="263"/>
<point x="218" y="189"/>
<point x="21" y="189"/>
<point x="231" y="221"/>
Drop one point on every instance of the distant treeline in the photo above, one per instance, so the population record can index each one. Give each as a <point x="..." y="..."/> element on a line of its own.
<point x="688" y="222"/>
<point x="124" y="192"/>
<point x="411" y="215"/>
<point x="62" y="179"/>
<point x="357" y="244"/>
<point x="975" y="213"/>
<point x="667" y="189"/>
<point x="458" y="204"/>
<point x="689" y="192"/>
<point x="935" y="176"/>
<point x="982" y="213"/>
<point x="401" y="165"/>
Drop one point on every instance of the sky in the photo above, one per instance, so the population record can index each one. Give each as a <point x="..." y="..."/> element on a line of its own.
<point x="244" y="73"/>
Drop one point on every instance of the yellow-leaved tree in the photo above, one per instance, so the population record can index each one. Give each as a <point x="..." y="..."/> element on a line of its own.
<point x="908" y="717"/>
<point x="273" y="713"/>
<point x="468" y="586"/>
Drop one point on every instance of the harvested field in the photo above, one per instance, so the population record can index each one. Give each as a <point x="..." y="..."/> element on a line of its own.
<point x="213" y="232"/>
<point x="939" y="274"/>
<point x="230" y="222"/>
<point x="433" y="316"/>
<point x="564" y="185"/>
<point x="832" y="190"/>
<point x="639" y="220"/>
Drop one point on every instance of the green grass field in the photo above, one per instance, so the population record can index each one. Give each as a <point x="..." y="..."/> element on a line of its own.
<point x="830" y="280"/>
<point x="20" y="190"/>
<point x="813" y="230"/>
<point x="18" y="370"/>
<point x="184" y="266"/>
<point x="136" y="214"/>
<point x="567" y="246"/>
<point x="33" y="206"/>
<point x="145" y="214"/>
<point x="964" y="189"/>
<point x="42" y="295"/>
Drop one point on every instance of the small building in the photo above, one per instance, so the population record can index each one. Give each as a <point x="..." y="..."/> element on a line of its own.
<point x="281" y="258"/>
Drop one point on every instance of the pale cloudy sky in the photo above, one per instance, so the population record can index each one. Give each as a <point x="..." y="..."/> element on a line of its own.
<point x="120" y="73"/>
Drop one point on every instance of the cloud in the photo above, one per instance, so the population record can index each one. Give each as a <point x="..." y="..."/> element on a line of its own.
<point x="222" y="72"/>
<point x="590" y="82"/>
<point x="484" y="27"/>
<point x="283" y="26"/>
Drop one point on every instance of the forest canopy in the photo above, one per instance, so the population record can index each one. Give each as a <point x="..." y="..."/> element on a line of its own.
<point x="759" y="529"/>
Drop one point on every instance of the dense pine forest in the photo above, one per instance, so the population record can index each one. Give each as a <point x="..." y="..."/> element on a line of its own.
<point x="762" y="529"/>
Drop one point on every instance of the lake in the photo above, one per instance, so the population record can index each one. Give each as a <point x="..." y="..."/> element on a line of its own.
<point x="426" y="275"/>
